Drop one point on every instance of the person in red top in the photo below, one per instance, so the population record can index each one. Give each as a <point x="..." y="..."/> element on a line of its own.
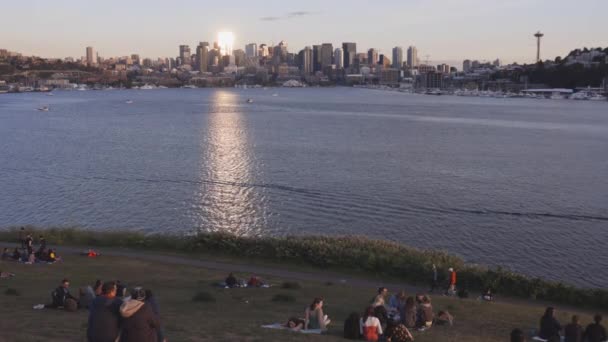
<point x="452" y="285"/>
<point x="370" y="326"/>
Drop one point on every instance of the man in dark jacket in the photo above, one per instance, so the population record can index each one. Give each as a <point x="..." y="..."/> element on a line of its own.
<point x="573" y="332"/>
<point x="104" y="317"/>
<point x="595" y="332"/>
<point x="60" y="295"/>
<point x="139" y="321"/>
<point x="549" y="326"/>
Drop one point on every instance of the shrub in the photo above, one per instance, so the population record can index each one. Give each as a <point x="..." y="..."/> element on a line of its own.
<point x="12" y="292"/>
<point x="285" y="298"/>
<point x="291" y="285"/>
<point x="205" y="297"/>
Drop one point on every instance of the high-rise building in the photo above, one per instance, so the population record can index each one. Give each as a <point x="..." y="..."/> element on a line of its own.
<point x="397" y="57"/>
<point x="327" y="51"/>
<point x="239" y="57"/>
<point x="307" y="61"/>
<point x="91" y="57"/>
<point x="339" y="58"/>
<point x="384" y="61"/>
<point x="184" y="54"/>
<point x="135" y="59"/>
<point x="264" y="50"/>
<point x="316" y="58"/>
<point x="412" y="57"/>
<point x="251" y="50"/>
<point x="466" y="65"/>
<point x="372" y="56"/>
<point x="202" y="56"/>
<point x="350" y="51"/>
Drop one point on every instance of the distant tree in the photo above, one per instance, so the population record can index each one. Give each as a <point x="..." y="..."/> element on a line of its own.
<point x="558" y="60"/>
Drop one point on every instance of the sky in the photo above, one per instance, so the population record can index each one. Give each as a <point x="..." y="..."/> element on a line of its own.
<point x="444" y="30"/>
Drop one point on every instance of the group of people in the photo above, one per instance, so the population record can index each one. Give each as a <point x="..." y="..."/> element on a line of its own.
<point x="232" y="282"/>
<point x="27" y="254"/>
<point x="551" y="330"/>
<point x="393" y="318"/>
<point x="113" y="316"/>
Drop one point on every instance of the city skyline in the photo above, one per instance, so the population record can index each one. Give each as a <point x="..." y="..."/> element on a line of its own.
<point x="444" y="31"/>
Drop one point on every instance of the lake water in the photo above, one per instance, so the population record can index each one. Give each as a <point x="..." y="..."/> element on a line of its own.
<point x="514" y="182"/>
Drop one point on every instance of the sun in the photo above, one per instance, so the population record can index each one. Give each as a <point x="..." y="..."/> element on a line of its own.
<point x="225" y="40"/>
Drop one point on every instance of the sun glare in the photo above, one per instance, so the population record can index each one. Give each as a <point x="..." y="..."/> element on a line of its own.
<point x="226" y="42"/>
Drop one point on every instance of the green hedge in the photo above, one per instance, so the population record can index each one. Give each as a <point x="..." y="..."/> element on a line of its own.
<point x="344" y="253"/>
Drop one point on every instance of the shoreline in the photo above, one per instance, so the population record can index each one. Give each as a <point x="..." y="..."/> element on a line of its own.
<point x="339" y="253"/>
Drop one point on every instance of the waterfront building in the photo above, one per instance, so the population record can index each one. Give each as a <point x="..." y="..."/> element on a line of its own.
<point x="431" y="80"/>
<point x="316" y="59"/>
<point x="339" y="58"/>
<point x="91" y="59"/>
<point x="466" y="65"/>
<point x="372" y="57"/>
<point x="135" y="59"/>
<point x="496" y="62"/>
<point x="264" y="50"/>
<point x="475" y="65"/>
<point x="412" y="57"/>
<point x="327" y="51"/>
<point x="239" y="57"/>
<point x="306" y="61"/>
<point x="202" y="57"/>
<point x="384" y="61"/>
<point x="251" y="50"/>
<point x="422" y="68"/>
<point x="184" y="54"/>
<point x="350" y="51"/>
<point x="397" y="57"/>
<point x="389" y="76"/>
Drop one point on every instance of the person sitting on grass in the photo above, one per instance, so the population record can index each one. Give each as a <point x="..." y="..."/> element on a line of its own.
<point x="400" y="334"/>
<point x="408" y="313"/>
<point x="59" y="297"/>
<point x="573" y="332"/>
<point x="517" y="335"/>
<point x="396" y="301"/>
<point x="370" y="326"/>
<point x="444" y="318"/>
<point x="295" y="324"/>
<point x="231" y="281"/>
<point x="31" y="259"/>
<point x="549" y="326"/>
<point x="104" y="315"/>
<point x="139" y="321"/>
<point x="16" y="255"/>
<point x="6" y="255"/>
<point x="255" y="281"/>
<point x="380" y="298"/>
<point x="52" y="256"/>
<point x="425" y="314"/>
<point x="488" y="296"/>
<point x="595" y="332"/>
<point x="6" y="275"/>
<point x="314" y="317"/>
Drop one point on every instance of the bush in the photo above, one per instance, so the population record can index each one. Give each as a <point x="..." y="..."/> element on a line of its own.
<point x="285" y="298"/>
<point x="291" y="285"/>
<point x="204" y="297"/>
<point x="340" y="252"/>
<point x="12" y="292"/>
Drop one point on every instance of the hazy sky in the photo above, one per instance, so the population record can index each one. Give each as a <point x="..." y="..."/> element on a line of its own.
<point x="447" y="30"/>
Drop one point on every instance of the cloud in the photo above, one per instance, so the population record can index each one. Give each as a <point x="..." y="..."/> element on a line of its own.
<point x="290" y="15"/>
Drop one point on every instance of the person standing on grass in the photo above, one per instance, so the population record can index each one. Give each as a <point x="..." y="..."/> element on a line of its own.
<point x="595" y="332"/>
<point x="549" y="326"/>
<point x="434" y="279"/>
<point x="22" y="236"/>
<point x="370" y="327"/>
<point x="104" y="315"/>
<point x="573" y="332"/>
<point x="29" y="244"/>
<point x="452" y="281"/>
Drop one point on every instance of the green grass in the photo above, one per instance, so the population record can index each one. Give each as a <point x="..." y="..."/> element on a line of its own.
<point x="350" y="254"/>
<point x="227" y="314"/>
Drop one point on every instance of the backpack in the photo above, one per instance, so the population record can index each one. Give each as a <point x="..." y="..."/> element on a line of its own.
<point x="352" y="326"/>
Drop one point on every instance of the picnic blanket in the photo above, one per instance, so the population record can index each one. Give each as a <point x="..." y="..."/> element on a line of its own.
<point x="279" y="326"/>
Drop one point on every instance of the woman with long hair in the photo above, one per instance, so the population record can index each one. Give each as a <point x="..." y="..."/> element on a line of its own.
<point x="314" y="317"/>
<point x="371" y="329"/>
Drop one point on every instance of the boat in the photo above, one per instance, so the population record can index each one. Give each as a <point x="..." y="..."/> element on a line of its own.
<point x="50" y="94"/>
<point x="249" y="100"/>
<point x="557" y="96"/>
<point x="129" y="101"/>
<point x="189" y="86"/>
<point x="43" y="109"/>
<point x="275" y="94"/>
<point x="597" y="97"/>
<point x="147" y="87"/>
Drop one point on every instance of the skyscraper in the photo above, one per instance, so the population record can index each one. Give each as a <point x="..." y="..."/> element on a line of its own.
<point x="350" y="51"/>
<point x="327" y="51"/>
<point x="316" y="58"/>
<point x="251" y="50"/>
<point x="397" y="57"/>
<point x="466" y="65"/>
<point x="339" y="58"/>
<point x="412" y="57"/>
<point x="202" y="56"/>
<point x="307" y="61"/>
<point x="91" y="58"/>
<point x="184" y="54"/>
<point x="372" y="56"/>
